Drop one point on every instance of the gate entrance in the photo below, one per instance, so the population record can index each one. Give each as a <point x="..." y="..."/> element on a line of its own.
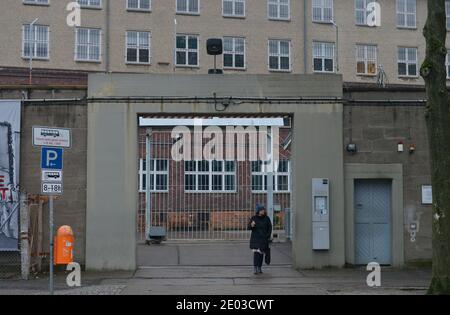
<point x="210" y="198"/>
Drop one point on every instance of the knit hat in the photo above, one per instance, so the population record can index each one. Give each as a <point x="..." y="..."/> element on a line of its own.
<point x="260" y="208"/>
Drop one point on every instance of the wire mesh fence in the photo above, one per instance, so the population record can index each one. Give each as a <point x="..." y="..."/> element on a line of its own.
<point x="206" y="199"/>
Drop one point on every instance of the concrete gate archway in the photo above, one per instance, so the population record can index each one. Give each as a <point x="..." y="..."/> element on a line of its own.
<point x="118" y="100"/>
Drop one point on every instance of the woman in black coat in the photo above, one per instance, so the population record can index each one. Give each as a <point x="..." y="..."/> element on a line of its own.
<point x="261" y="228"/>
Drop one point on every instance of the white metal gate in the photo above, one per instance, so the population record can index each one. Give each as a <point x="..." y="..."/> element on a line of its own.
<point x="207" y="199"/>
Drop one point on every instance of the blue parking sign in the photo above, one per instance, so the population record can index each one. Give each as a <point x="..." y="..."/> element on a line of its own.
<point x="52" y="158"/>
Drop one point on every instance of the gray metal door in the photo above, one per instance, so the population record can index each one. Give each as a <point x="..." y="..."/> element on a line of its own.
<point x="373" y="222"/>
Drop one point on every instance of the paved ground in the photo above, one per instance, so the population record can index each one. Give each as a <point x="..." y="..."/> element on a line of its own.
<point x="225" y="268"/>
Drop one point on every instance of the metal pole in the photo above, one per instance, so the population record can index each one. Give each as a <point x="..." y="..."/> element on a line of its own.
<point x="51" y="244"/>
<point x="33" y="31"/>
<point x="270" y="173"/>
<point x="337" y="45"/>
<point x="148" y="161"/>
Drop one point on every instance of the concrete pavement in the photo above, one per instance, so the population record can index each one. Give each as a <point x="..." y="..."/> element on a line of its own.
<point x="225" y="269"/>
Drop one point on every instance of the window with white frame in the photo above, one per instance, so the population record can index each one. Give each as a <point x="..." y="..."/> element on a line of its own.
<point x="141" y="5"/>
<point x="406" y="13"/>
<point x="361" y="11"/>
<point x="43" y="2"/>
<point x="138" y="47"/>
<point x="88" y="44"/>
<point x="281" y="176"/>
<point x="234" y="52"/>
<point x="447" y="64"/>
<point x="407" y="61"/>
<point x="187" y="51"/>
<point x="366" y="59"/>
<point x="322" y="11"/>
<point x="447" y="14"/>
<point x="323" y="57"/>
<point x="188" y="6"/>
<point x="279" y="9"/>
<point x="279" y="55"/>
<point x="159" y="175"/>
<point x="210" y="176"/>
<point x="35" y="41"/>
<point x="90" y="3"/>
<point x="233" y="8"/>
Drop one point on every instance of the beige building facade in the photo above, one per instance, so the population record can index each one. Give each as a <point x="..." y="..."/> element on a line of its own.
<point x="260" y="36"/>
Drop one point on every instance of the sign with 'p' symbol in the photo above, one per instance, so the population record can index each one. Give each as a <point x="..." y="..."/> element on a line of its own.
<point x="52" y="158"/>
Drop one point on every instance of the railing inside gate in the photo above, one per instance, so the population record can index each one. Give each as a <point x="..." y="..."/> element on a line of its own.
<point x="207" y="200"/>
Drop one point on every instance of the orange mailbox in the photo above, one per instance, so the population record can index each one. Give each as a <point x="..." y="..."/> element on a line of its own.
<point x="63" y="252"/>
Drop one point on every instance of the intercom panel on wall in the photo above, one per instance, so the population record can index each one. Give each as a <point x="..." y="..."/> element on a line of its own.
<point x="321" y="213"/>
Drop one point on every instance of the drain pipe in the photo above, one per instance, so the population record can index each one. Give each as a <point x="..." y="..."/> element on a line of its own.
<point x="305" y="37"/>
<point x="107" y="35"/>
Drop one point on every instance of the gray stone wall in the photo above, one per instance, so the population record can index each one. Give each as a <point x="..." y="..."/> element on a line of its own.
<point x="377" y="129"/>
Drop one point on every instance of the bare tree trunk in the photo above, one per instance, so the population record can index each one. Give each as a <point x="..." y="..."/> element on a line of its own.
<point x="438" y="123"/>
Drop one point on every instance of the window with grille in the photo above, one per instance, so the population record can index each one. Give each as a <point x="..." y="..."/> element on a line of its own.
<point x="322" y="11"/>
<point x="210" y="176"/>
<point x="188" y="6"/>
<point x="279" y="9"/>
<point x="159" y="175"/>
<point x="406" y="13"/>
<point x="361" y="12"/>
<point x="279" y="55"/>
<point x="90" y="3"/>
<point x="366" y="59"/>
<point x="323" y="57"/>
<point x="187" y="51"/>
<point x="138" y="47"/>
<point x="234" y="52"/>
<point x="35" y="41"/>
<point x="88" y="44"/>
<point x="233" y="8"/>
<point x="43" y="2"/>
<point x="407" y="61"/>
<point x="447" y="64"/>
<point x="281" y="176"/>
<point x="143" y="5"/>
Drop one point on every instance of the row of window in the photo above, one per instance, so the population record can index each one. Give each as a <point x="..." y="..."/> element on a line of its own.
<point x="88" y="48"/>
<point x="322" y="10"/>
<point x="213" y="176"/>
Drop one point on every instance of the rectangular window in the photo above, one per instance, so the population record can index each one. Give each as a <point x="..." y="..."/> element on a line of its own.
<point x="188" y="6"/>
<point x="159" y="175"/>
<point x="35" y="41"/>
<point x="279" y="55"/>
<point x="323" y="57"/>
<point x="406" y="13"/>
<point x="210" y="176"/>
<point x="88" y="44"/>
<point x="281" y="179"/>
<point x="234" y="52"/>
<point x="361" y="11"/>
<point x="90" y="3"/>
<point x="279" y="9"/>
<point x="447" y="64"/>
<point x="42" y="2"/>
<point x="141" y="5"/>
<point x="366" y="59"/>
<point x="187" y="51"/>
<point x="407" y="61"/>
<point x="447" y="14"/>
<point x="322" y="11"/>
<point x="138" y="47"/>
<point x="233" y="8"/>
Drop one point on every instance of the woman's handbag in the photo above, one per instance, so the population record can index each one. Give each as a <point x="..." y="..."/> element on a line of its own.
<point x="268" y="257"/>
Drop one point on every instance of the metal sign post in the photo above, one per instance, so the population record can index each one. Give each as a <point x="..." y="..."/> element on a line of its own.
<point x="52" y="142"/>
<point x="51" y="286"/>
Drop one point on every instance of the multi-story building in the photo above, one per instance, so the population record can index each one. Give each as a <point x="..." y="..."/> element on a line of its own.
<point x="260" y="37"/>
<point x="366" y="133"/>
